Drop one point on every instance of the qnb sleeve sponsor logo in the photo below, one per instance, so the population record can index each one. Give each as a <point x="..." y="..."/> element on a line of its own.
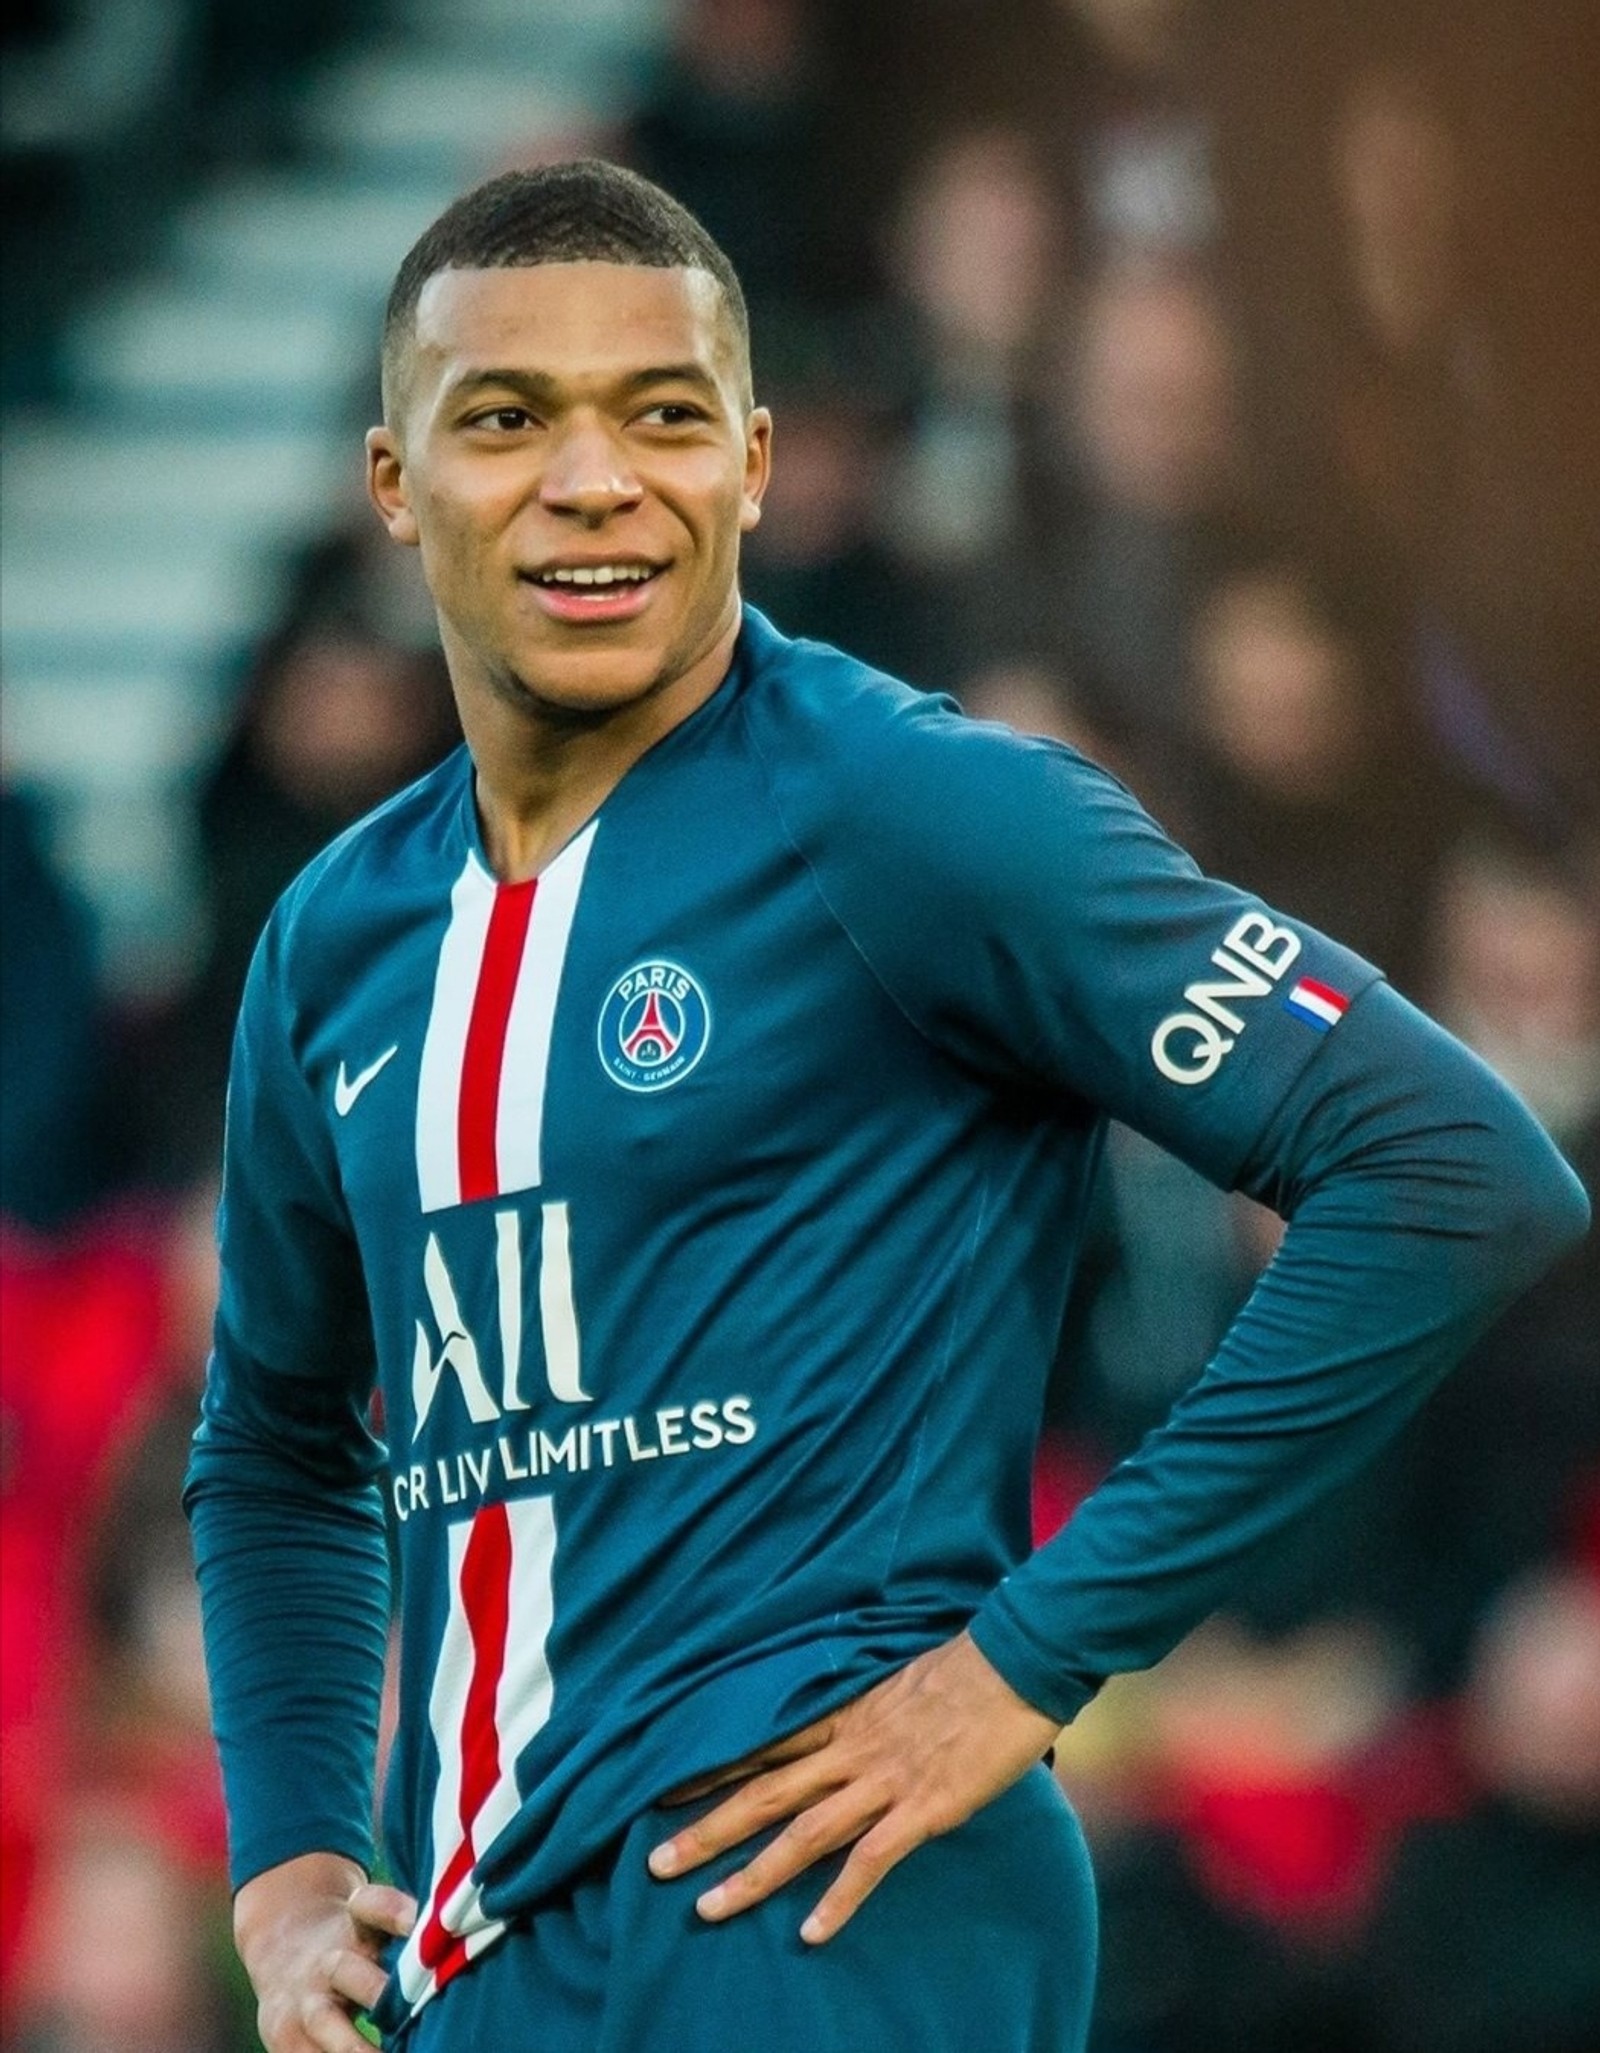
<point x="1188" y="1046"/>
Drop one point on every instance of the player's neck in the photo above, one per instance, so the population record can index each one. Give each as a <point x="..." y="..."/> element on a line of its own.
<point x="543" y="771"/>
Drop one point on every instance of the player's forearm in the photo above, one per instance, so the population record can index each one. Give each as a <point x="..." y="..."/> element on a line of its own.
<point x="1423" y="1199"/>
<point x="294" y="1588"/>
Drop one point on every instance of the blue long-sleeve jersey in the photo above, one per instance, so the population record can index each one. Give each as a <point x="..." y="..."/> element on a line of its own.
<point x="702" y="1216"/>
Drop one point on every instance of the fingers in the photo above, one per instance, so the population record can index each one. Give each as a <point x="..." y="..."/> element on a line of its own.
<point x="871" y="1858"/>
<point x="704" y="1785"/>
<point x="347" y="1978"/>
<point x="321" y="2017"/>
<point x="328" y="2028"/>
<point x="821" y="1830"/>
<point x="378" y="1908"/>
<point x="778" y="1794"/>
<point x="354" y="1976"/>
<point x="316" y="2024"/>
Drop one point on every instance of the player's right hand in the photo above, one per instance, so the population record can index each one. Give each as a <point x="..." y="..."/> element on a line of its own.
<point x="309" y="1933"/>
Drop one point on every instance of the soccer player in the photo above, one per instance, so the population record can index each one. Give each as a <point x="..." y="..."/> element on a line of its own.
<point x="679" y="1109"/>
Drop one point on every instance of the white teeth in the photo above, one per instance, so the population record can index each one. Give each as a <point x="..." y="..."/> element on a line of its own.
<point x="598" y="574"/>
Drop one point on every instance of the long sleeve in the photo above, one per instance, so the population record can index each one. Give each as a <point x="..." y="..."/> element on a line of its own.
<point x="282" y="1498"/>
<point x="1421" y="1198"/>
<point x="1038" y="927"/>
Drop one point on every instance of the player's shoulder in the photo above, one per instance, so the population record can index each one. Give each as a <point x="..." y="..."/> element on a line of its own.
<point x="350" y="887"/>
<point x="813" y="704"/>
<point x="848" y="747"/>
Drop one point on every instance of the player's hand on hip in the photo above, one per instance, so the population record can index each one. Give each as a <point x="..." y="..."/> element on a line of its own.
<point x="914" y="1757"/>
<point x="309" y="1933"/>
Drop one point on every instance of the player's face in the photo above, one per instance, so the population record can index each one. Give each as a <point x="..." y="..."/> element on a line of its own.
<point x="571" y="450"/>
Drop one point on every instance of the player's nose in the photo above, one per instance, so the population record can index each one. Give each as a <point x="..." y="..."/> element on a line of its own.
<point x="587" y="473"/>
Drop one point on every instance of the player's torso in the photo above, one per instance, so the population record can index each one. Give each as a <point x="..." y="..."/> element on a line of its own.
<point x="706" y="1290"/>
<point x="610" y="1140"/>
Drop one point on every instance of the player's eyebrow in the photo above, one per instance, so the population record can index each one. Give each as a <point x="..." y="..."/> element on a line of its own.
<point x="671" y="374"/>
<point x="542" y="390"/>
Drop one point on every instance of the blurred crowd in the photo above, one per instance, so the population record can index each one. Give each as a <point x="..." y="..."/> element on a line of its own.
<point x="1204" y="385"/>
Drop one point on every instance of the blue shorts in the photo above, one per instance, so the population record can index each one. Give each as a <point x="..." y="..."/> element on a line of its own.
<point x="984" y="1938"/>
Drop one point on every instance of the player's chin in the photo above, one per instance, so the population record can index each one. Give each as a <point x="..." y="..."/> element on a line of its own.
<point x="592" y="681"/>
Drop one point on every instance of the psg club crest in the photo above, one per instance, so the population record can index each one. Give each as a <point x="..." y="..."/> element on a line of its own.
<point x="654" y="1026"/>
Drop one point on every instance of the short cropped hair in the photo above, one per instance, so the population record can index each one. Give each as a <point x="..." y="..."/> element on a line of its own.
<point x="582" y="211"/>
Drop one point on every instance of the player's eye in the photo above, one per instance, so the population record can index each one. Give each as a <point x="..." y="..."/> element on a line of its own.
<point x="505" y="420"/>
<point x="672" y="413"/>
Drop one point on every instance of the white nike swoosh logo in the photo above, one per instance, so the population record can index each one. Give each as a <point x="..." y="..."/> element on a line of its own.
<point x="346" y="1090"/>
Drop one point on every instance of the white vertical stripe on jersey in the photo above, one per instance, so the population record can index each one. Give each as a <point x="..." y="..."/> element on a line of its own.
<point x="519" y="1110"/>
<point x="522" y="1706"/>
<point x="447" y="1704"/>
<point x="444" y="1048"/>
<point x="519" y="1119"/>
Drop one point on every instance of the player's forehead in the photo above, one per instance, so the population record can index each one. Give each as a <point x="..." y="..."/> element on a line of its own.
<point x="585" y="322"/>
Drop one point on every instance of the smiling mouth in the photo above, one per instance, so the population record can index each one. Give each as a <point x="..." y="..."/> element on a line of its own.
<point x="593" y="594"/>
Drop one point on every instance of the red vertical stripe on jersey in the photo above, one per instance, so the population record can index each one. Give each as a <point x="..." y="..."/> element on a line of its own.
<point x="486" y="1601"/>
<point x="486" y="1039"/>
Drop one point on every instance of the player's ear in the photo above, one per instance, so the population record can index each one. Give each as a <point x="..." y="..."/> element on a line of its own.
<point x="386" y="486"/>
<point x="757" y="466"/>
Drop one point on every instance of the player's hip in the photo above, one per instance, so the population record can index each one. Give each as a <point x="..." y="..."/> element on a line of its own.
<point x="984" y="1937"/>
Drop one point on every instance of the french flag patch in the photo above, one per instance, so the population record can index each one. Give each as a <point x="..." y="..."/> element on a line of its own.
<point x="1319" y="1005"/>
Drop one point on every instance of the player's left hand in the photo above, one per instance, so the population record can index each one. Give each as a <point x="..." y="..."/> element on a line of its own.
<point x="914" y="1757"/>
